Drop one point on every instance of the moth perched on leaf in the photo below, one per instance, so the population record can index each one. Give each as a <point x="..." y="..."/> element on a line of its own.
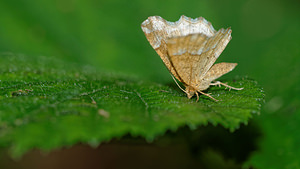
<point x="189" y="49"/>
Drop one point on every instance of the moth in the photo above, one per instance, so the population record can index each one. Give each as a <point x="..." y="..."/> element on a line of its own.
<point x="189" y="48"/>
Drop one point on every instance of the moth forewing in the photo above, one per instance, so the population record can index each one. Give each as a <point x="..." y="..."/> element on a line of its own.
<point x="183" y="54"/>
<point x="157" y="41"/>
<point x="157" y="31"/>
<point x="214" y="48"/>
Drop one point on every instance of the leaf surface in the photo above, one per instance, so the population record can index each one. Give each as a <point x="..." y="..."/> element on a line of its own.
<point x="48" y="104"/>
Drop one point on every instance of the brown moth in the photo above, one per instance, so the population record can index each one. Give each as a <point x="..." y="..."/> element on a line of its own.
<point x="189" y="48"/>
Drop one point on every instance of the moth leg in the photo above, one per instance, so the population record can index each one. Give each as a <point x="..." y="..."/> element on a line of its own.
<point x="226" y="85"/>
<point x="208" y="95"/>
<point x="197" y="96"/>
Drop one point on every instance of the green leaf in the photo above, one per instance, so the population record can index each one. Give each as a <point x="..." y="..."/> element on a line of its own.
<point x="46" y="104"/>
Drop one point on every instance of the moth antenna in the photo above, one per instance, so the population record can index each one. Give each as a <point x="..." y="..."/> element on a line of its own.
<point x="178" y="84"/>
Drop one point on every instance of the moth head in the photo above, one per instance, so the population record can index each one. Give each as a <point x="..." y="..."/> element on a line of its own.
<point x="190" y="91"/>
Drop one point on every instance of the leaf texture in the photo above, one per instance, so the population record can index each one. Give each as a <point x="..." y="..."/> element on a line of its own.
<point x="47" y="104"/>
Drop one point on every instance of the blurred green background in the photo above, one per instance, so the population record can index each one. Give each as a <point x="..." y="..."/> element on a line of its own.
<point x="107" y="35"/>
